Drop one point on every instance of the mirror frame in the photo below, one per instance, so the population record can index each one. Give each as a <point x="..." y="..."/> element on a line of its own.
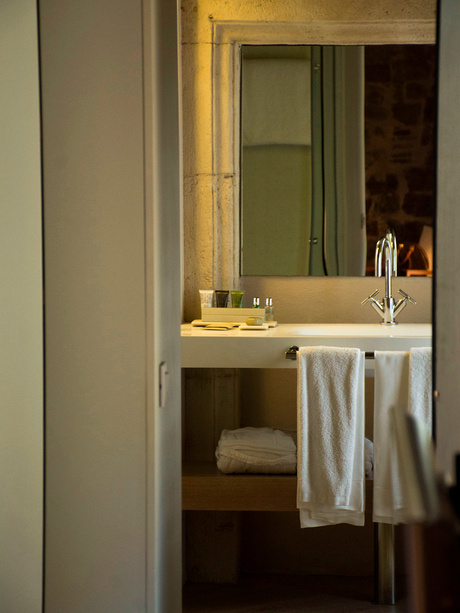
<point x="227" y="39"/>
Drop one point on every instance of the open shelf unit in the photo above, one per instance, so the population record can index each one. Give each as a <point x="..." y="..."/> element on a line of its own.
<point x="205" y="488"/>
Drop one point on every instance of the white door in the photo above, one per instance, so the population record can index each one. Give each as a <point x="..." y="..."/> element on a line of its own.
<point x="163" y="232"/>
<point x="21" y="337"/>
<point x="112" y="294"/>
<point x="447" y="262"/>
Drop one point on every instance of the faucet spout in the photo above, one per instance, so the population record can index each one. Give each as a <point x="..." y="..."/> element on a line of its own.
<point x="387" y="245"/>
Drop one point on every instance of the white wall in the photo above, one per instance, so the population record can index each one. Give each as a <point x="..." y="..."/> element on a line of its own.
<point x="163" y="242"/>
<point x="95" y="306"/>
<point x="21" y="355"/>
<point x="112" y="288"/>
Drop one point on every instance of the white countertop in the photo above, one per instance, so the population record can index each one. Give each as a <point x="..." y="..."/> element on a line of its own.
<point x="237" y="348"/>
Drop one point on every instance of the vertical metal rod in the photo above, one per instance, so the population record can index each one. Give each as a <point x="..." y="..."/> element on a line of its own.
<point x="384" y="564"/>
<point x="388" y="279"/>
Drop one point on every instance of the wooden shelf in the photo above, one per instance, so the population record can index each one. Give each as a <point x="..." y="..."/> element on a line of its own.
<point x="205" y="488"/>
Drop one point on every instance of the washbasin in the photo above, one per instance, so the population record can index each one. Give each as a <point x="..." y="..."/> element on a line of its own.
<point x="359" y="330"/>
<point x="237" y="348"/>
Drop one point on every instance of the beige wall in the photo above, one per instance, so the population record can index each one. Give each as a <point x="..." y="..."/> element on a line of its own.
<point x="206" y="196"/>
<point x="21" y="387"/>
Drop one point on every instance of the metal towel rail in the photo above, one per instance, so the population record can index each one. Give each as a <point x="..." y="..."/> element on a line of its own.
<point x="291" y="353"/>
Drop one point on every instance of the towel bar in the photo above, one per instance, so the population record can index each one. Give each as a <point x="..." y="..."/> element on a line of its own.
<point x="291" y="353"/>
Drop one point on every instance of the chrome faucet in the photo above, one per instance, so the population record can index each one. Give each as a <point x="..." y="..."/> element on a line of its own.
<point x="388" y="308"/>
<point x="388" y="245"/>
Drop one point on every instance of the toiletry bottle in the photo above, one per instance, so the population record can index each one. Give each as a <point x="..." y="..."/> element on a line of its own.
<point x="255" y="303"/>
<point x="269" y="313"/>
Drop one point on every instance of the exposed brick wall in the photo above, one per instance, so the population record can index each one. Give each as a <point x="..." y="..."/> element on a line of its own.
<point x="400" y="110"/>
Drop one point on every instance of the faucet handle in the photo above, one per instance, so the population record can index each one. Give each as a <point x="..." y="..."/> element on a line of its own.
<point x="407" y="297"/>
<point x="370" y="297"/>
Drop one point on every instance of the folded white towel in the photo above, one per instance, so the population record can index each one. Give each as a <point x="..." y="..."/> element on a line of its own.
<point x="256" y="450"/>
<point x="330" y="456"/>
<point x="402" y="384"/>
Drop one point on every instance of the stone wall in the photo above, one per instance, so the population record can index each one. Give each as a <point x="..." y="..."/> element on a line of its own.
<point x="400" y="141"/>
<point x="307" y="297"/>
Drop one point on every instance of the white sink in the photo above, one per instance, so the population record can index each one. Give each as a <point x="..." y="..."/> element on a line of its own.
<point x="267" y="348"/>
<point x="357" y="330"/>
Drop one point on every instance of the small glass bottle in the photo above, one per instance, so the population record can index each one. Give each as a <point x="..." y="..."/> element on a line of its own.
<point x="269" y="312"/>
<point x="255" y="303"/>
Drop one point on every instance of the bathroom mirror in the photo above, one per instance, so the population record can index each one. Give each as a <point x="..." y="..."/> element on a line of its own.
<point x="336" y="144"/>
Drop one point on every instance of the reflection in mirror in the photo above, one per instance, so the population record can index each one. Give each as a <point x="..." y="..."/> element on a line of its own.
<point x="336" y="144"/>
<point x="276" y="171"/>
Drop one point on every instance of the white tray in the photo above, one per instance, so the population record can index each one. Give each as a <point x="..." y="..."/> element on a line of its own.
<point x="199" y="323"/>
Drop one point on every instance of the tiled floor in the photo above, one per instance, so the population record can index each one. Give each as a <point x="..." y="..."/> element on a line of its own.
<point x="287" y="595"/>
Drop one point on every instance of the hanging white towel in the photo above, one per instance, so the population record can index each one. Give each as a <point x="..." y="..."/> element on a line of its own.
<point x="402" y="385"/>
<point x="330" y="444"/>
<point x="368" y="458"/>
<point x="420" y="385"/>
<point x="391" y="372"/>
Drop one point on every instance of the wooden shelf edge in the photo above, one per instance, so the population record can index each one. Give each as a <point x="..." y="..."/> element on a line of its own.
<point x="205" y="488"/>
